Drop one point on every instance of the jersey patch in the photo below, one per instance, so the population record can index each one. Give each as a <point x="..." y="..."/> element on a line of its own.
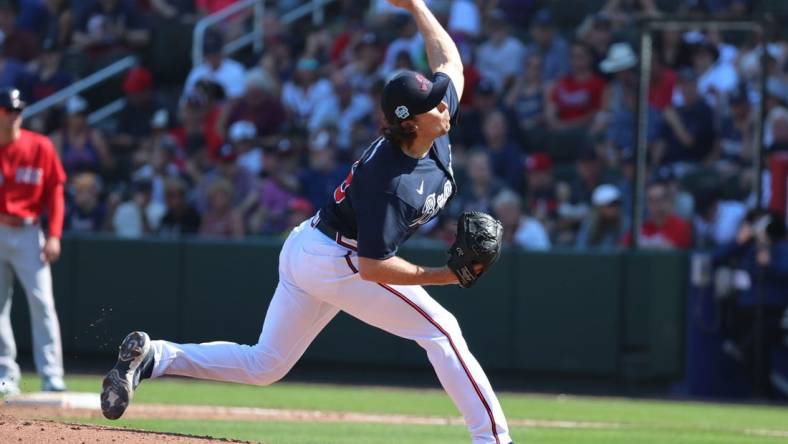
<point x="433" y="204"/>
<point x="29" y="175"/>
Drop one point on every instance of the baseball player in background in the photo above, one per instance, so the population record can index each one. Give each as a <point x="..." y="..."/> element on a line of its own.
<point x="345" y="259"/>
<point x="31" y="182"/>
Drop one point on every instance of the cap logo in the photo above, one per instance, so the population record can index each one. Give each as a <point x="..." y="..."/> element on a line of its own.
<point x="402" y="112"/>
<point x="424" y="84"/>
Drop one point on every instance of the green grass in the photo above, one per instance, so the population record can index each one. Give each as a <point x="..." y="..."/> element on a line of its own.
<point x="641" y="422"/>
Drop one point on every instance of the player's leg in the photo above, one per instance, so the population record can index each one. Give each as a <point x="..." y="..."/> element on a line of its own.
<point x="410" y="312"/>
<point x="36" y="278"/>
<point x="9" y="370"/>
<point x="291" y="323"/>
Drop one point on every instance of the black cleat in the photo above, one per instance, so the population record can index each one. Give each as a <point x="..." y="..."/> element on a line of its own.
<point x="134" y="357"/>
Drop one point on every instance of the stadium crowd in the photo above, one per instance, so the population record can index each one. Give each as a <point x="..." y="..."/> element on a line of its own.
<point x="545" y="141"/>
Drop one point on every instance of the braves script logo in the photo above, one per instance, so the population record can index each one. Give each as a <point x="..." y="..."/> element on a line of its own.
<point x="433" y="204"/>
<point x="424" y="84"/>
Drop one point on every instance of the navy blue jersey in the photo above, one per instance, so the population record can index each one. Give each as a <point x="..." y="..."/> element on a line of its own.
<point x="387" y="195"/>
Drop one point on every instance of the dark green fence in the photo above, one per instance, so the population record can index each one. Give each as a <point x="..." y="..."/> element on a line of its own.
<point x="615" y="315"/>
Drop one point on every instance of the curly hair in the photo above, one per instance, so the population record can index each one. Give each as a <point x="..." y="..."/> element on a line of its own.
<point x="400" y="133"/>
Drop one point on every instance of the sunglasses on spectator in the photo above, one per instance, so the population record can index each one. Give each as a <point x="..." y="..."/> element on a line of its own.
<point x="11" y="110"/>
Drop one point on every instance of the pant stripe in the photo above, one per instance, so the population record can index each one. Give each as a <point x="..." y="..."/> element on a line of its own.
<point x="456" y="352"/>
<point x="451" y="342"/>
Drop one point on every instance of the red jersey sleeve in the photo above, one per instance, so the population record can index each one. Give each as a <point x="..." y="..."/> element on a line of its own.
<point x="55" y="178"/>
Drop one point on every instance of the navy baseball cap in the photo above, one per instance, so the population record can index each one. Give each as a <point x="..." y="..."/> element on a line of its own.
<point x="410" y="93"/>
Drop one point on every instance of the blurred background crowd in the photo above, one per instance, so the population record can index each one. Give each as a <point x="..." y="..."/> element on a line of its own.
<point x="254" y="143"/>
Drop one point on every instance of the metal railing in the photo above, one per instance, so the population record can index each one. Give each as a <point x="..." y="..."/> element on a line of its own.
<point x="255" y="37"/>
<point x="81" y="85"/>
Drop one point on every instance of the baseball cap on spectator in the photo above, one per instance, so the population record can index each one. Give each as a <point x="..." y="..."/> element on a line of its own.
<point x="76" y="105"/>
<point x="227" y="153"/>
<point x="707" y="47"/>
<point x="543" y="18"/>
<point x="605" y="194"/>
<point x="213" y="42"/>
<point x="368" y="39"/>
<point x="138" y="79"/>
<point x="620" y="57"/>
<point x="538" y="162"/>
<point x="242" y="130"/>
<point x="410" y="93"/>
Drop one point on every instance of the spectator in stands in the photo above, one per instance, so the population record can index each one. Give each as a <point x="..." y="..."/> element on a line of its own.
<point x="49" y="19"/>
<point x="137" y="216"/>
<point x="737" y="133"/>
<point x="464" y="20"/>
<point x="274" y="192"/>
<point x="159" y="164"/>
<point x="716" y="221"/>
<point x="518" y="228"/>
<point x="527" y="96"/>
<point x="619" y="102"/>
<point x="686" y="136"/>
<point x="243" y="183"/>
<point x="575" y="196"/>
<point x="85" y="212"/>
<point x="720" y="9"/>
<point x="485" y="101"/>
<point x="349" y="108"/>
<point x="540" y="189"/>
<point x="243" y="136"/>
<point x="18" y="43"/>
<point x="259" y="104"/>
<point x="307" y="97"/>
<point x="500" y="58"/>
<point x="505" y="154"/>
<point x="219" y="218"/>
<point x="624" y="12"/>
<point x="80" y="147"/>
<point x="195" y="135"/>
<point x="605" y="225"/>
<point x="364" y="68"/>
<point x="575" y="98"/>
<point x="134" y="119"/>
<point x="408" y="42"/>
<point x="662" y="229"/>
<point x="223" y="70"/>
<point x="14" y="74"/>
<point x="716" y="77"/>
<point x="597" y="31"/>
<point x="49" y="77"/>
<point x="323" y="174"/>
<point x="548" y="44"/>
<point x="482" y="186"/>
<point x="107" y="28"/>
<point x="181" y="217"/>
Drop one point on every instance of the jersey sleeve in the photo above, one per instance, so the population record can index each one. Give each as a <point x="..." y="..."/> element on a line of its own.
<point x="381" y="220"/>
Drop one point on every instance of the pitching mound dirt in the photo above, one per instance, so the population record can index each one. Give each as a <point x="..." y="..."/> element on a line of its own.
<point x="14" y="428"/>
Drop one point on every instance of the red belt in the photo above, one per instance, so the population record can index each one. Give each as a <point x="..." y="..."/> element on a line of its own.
<point x="16" y="222"/>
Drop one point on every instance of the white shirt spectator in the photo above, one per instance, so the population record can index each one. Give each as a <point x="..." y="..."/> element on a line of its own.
<point x="230" y="75"/>
<point x="531" y="235"/>
<point x="360" y="106"/>
<point x="497" y="62"/>
<point x="464" y="18"/>
<point x="413" y="46"/>
<point x="723" y="228"/>
<point x="127" y="220"/>
<point x="721" y="78"/>
<point x="310" y="104"/>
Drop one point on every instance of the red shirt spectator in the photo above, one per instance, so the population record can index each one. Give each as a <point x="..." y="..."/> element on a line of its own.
<point x="211" y="6"/>
<point x="662" y="228"/>
<point x="660" y="93"/>
<point x="575" y="98"/>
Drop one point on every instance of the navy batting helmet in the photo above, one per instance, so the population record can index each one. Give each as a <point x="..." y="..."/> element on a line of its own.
<point x="11" y="98"/>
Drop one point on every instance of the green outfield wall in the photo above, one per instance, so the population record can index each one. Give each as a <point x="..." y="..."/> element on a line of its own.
<point x="616" y="315"/>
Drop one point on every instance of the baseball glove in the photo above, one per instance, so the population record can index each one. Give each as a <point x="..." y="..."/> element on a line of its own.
<point x="478" y="242"/>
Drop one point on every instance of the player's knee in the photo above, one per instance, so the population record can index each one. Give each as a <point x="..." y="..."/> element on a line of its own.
<point x="268" y="369"/>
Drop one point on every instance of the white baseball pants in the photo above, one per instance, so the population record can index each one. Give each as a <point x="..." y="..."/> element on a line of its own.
<point x="317" y="278"/>
<point x="20" y="252"/>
